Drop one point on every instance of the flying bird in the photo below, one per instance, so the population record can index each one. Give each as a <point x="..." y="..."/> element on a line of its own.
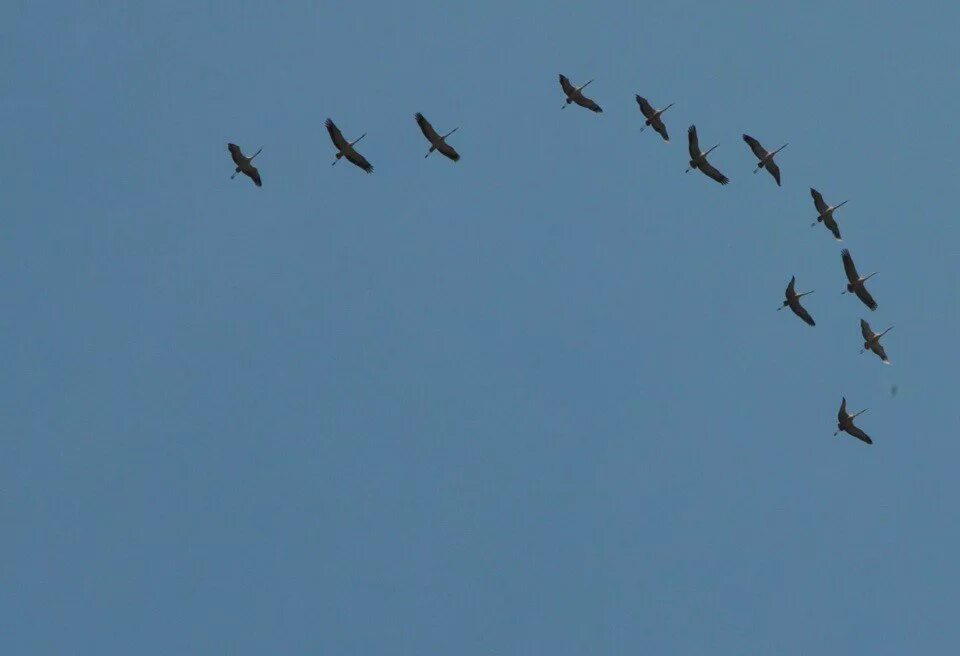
<point x="575" y="95"/>
<point x="793" y="302"/>
<point x="845" y="423"/>
<point x="244" y="164"/>
<point x="871" y="341"/>
<point x="653" y="117"/>
<point x="437" y="142"/>
<point x="766" y="159"/>
<point x="345" y="148"/>
<point x="698" y="160"/>
<point x="825" y="213"/>
<point x="855" y="284"/>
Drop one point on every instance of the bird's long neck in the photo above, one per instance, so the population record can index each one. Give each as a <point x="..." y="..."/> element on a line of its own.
<point x="869" y="277"/>
<point x="884" y="332"/>
<point x="358" y="139"/>
<point x="709" y="151"/>
<point x="836" y="207"/>
<point x="254" y="155"/>
<point x="583" y="86"/>
<point x="450" y="132"/>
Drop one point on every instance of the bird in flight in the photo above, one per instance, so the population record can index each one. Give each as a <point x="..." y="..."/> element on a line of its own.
<point x="766" y="159"/>
<point x="244" y="164"/>
<point x="575" y="95"/>
<point x="793" y="302"/>
<point x="845" y="423"/>
<point x="345" y="148"/>
<point x="698" y="160"/>
<point x="652" y="117"/>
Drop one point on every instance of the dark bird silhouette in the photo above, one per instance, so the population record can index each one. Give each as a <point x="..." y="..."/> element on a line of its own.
<point x="825" y="213"/>
<point x="652" y="117"/>
<point x="766" y="159"/>
<point x="575" y="95"/>
<point x="856" y="284"/>
<point x="345" y="148"/>
<point x="793" y="302"/>
<point x="244" y="164"/>
<point x="871" y="341"/>
<point x="437" y="142"/>
<point x="698" y="160"/>
<point x="845" y="423"/>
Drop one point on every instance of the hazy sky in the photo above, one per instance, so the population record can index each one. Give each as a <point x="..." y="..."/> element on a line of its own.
<point x="535" y="402"/>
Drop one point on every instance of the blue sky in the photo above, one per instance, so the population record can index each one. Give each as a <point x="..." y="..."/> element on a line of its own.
<point x="538" y="401"/>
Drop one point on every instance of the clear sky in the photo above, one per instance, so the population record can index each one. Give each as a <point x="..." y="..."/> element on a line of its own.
<point x="535" y="402"/>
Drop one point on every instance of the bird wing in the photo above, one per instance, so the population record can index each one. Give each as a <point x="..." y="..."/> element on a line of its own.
<point x="359" y="160"/>
<point x="427" y="129"/>
<point x="859" y="434"/>
<point x="693" y="144"/>
<point x="849" y="266"/>
<point x="865" y="330"/>
<point x="336" y="136"/>
<point x="791" y="290"/>
<point x="253" y="174"/>
<point x="774" y="170"/>
<point x="865" y="296"/>
<point x="818" y="201"/>
<point x="878" y="349"/>
<point x="711" y="172"/>
<point x="645" y="107"/>
<point x="661" y="129"/>
<point x="583" y="101"/>
<point x="568" y="88"/>
<point x="235" y="153"/>
<point x="832" y="226"/>
<point x="843" y="410"/>
<point x="446" y="149"/>
<point x="801" y="312"/>
<point x="755" y="146"/>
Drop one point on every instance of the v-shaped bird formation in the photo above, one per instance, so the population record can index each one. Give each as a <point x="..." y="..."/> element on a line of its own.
<point x="653" y="118"/>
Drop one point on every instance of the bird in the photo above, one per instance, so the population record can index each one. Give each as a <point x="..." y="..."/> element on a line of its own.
<point x="845" y="423"/>
<point x="575" y="94"/>
<point x="436" y="141"/>
<point x="345" y="148"/>
<point x="855" y="284"/>
<point x="653" y="117"/>
<point x="871" y="341"/>
<point x="766" y="159"/>
<point x="793" y="302"/>
<point x="825" y="213"/>
<point x="244" y="164"/>
<point x="698" y="160"/>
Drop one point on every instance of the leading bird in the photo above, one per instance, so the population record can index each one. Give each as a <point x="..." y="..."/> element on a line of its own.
<point x="845" y="423"/>
<point x="575" y="95"/>
<point x="766" y="159"/>
<point x="698" y="160"/>
<point x="345" y="148"/>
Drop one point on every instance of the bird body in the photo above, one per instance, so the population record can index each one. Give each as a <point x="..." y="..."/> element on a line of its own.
<point x="652" y="117"/>
<point x="856" y="284"/>
<point x="845" y="423"/>
<point x="437" y="142"/>
<point x="345" y="148"/>
<point x="244" y="164"/>
<point x="825" y="213"/>
<point x="792" y="301"/>
<point x="765" y="158"/>
<point x="698" y="159"/>
<point x="575" y="95"/>
<point x="871" y="341"/>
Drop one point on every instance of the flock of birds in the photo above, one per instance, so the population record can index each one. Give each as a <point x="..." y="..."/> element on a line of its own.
<point x="653" y="118"/>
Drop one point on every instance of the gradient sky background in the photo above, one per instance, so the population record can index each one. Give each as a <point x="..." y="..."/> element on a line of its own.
<point x="535" y="402"/>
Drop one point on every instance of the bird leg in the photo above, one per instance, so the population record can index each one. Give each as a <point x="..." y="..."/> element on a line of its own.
<point x="428" y="152"/>
<point x="234" y="174"/>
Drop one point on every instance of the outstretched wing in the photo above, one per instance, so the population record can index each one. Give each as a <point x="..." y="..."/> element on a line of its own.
<point x="848" y="266"/>
<point x="657" y="124"/>
<point x="818" y="201"/>
<point x="791" y="289"/>
<point x="568" y="88"/>
<point x="693" y="144"/>
<point x="446" y="149"/>
<point x="832" y="226"/>
<point x="645" y="107"/>
<point x="583" y="101"/>
<point x="865" y="296"/>
<point x="711" y="172"/>
<point x="336" y="136"/>
<point x="859" y="434"/>
<point x="774" y="170"/>
<point x="865" y="330"/>
<point x="755" y="146"/>
<point x="427" y="129"/>
<point x="878" y="349"/>
<point x="801" y="312"/>
<point x="359" y="160"/>
<point x="252" y="172"/>
<point x="235" y="153"/>
<point x="843" y="410"/>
